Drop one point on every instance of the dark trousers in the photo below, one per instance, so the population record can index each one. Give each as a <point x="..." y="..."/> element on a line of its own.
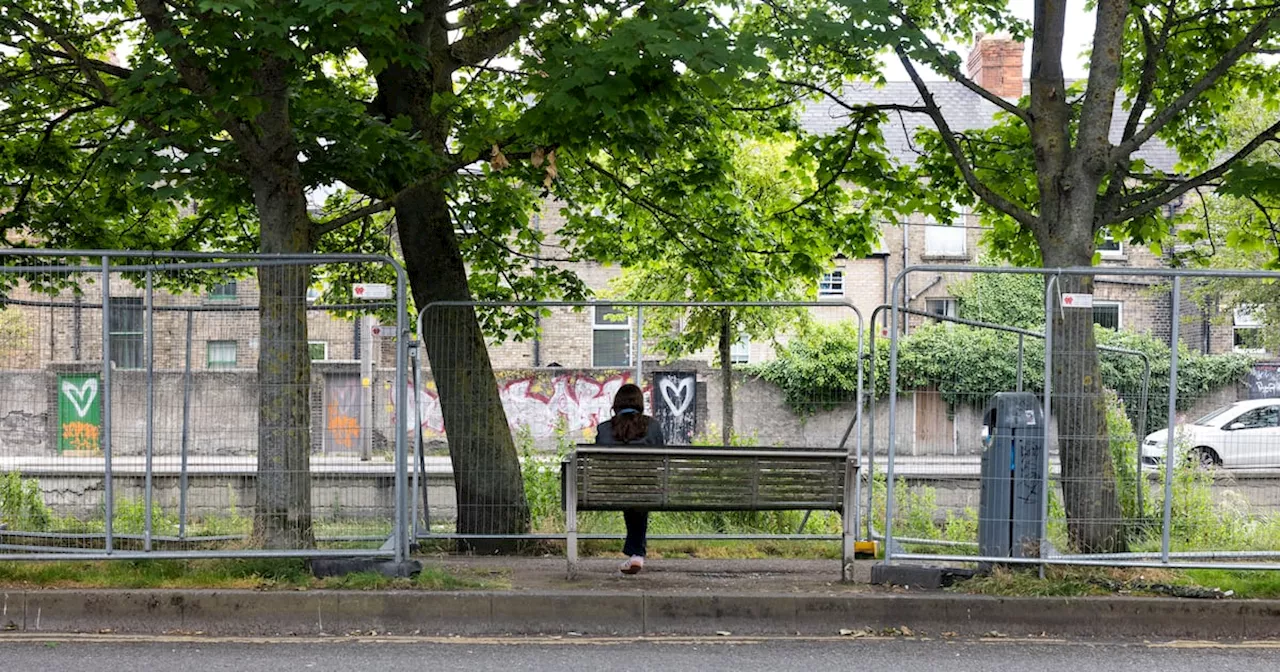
<point x="637" y="529"/>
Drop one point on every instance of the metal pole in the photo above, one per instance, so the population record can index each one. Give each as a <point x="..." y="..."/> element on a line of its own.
<point x="893" y="426"/>
<point x="1175" y="308"/>
<point x="186" y="432"/>
<point x="402" y="403"/>
<point x="417" y="416"/>
<point x="639" y="348"/>
<point x="857" y="443"/>
<point x="1142" y="429"/>
<point x="1021" y="338"/>
<point x="871" y="431"/>
<point x="366" y="387"/>
<point x="149" y="336"/>
<point x="108" y="506"/>
<point x="1049" y="304"/>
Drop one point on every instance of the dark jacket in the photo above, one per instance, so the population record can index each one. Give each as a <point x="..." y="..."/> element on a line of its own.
<point x="652" y="437"/>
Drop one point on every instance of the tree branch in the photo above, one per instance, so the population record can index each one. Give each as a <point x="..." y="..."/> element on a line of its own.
<point x="1093" y="137"/>
<point x="1164" y="196"/>
<point x="1163" y="117"/>
<point x="479" y="47"/>
<point x="319" y="229"/>
<point x="856" y="109"/>
<point x="983" y="191"/>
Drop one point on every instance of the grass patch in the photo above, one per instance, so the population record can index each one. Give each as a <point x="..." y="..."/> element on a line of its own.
<point x="1060" y="581"/>
<point x="253" y="574"/>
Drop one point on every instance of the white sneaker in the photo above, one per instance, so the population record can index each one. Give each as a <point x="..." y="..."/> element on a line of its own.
<point x="633" y="565"/>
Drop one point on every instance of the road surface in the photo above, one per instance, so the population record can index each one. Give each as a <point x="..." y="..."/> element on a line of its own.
<point x="102" y="654"/>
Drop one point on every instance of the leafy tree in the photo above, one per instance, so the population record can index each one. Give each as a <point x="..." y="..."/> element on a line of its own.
<point x="452" y="114"/>
<point x="764" y="229"/>
<point x="1050" y="176"/>
<point x="1014" y="300"/>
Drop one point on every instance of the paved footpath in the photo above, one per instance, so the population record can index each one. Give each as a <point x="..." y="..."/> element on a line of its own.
<point x="98" y="654"/>
<point x="672" y="597"/>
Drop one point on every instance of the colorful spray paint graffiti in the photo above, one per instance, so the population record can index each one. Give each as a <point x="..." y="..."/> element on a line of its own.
<point x="342" y="413"/>
<point x="79" y="413"/>
<point x="574" y="402"/>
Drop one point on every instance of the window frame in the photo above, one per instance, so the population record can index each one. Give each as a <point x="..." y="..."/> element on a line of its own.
<point x="740" y="351"/>
<point x="211" y="293"/>
<point x="117" y="305"/>
<point x="323" y="344"/>
<point x="221" y="364"/>
<point x="834" y="281"/>
<point x="1107" y="253"/>
<point x="959" y="230"/>
<point x="598" y="325"/>
<point x="1242" y="319"/>
<point x="1103" y="303"/>
<point x="948" y="301"/>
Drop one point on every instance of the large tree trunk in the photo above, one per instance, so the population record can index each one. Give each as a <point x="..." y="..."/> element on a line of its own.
<point x="726" y="373"/>
<point x="1095" y="523"/>
<point x="486" y="469"/>
<point x="282" y="513"/>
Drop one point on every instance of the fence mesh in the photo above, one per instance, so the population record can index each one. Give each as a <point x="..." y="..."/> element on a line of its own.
<point x="969" y="481"/>
<point x="491" y="455"/>
<point x="245" y="406"/>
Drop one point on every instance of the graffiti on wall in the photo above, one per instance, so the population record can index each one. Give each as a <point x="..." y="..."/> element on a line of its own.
<point x="342" y="413"/>
<point x="572" y="402"/>
<point x="676" y="408"/>
<point x="79" y="413"/>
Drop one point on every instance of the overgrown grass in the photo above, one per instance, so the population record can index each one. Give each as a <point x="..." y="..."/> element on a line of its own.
<point x="1063" y="581"/>
<point x="255" y="574"/>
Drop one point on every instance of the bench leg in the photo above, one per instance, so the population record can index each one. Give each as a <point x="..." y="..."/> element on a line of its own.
<point x="571" y="517"/>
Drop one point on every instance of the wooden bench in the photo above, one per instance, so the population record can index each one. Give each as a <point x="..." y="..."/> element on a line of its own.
<point x="709" y="478"/>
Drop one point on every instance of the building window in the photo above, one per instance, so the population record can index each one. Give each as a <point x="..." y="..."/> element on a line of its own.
<point x="319" y="350"/>
<point x="740" y="352"/>
<point x="225" y="291"/>
<point x="126" y="332"/>
<point x="1247" y="332"/>
<point x="222" y="354"/>
<point x="1110" y="247"/>
<point x="942" y="307"/>
<point x="831" y="284"/>
<point x="1106" y="314"/>
<point x="610" y="337"/>
<point x="945" y="241"/>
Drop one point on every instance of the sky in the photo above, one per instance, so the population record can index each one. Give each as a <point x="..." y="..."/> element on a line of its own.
<point x="1079" y="34"/>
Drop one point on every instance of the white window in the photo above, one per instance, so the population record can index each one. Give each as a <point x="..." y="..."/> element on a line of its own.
<point x="1110" y="247"/>
<point x="222" y="354"/>
<point x="319" y="350"/>
<point x="945" y="241"/>
<point x="225" y="291"/>
<point x="610" y="337"/>
<point x="126" y="323"/>
<point x="1107" y="314"/>
<point x="1247" y="331"/>
<point x="740" y="352"/>
<point x="943" y="307"/>
<point x="831" y="284"/>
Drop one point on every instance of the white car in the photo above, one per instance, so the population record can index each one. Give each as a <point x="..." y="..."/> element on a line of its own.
<point x="1243" y="435"/>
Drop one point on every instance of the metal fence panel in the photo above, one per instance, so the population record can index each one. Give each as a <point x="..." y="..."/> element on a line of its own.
<point x="1136" y="355"/>
<point x="557" y="382"/>
<point x="172" y="405"/>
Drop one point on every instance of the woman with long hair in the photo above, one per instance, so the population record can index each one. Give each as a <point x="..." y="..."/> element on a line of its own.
<point x="629" y="425"/>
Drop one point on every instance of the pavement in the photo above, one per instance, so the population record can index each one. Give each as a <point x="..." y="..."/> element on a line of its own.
<point x="686" y="597"/>
<point x="98" y="653"/>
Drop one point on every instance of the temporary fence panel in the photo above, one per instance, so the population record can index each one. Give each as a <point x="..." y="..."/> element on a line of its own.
<point x="488" y="456"/>
<point x="175" y="405"/>
<point x="1116" y="386"/>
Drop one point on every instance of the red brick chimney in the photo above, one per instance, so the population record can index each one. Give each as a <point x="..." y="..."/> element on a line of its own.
<point x="996" y="65"/>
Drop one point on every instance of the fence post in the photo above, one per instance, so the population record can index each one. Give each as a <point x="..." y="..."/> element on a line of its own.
<point x="1049" y="305"/>
<point x="893" y="425"/>
<point x="1021" y="338"/>
<point x="108" y="506"/>
<point x="639" y="349"/>
<point x="1176" y="309"/>
<point x="150" y="340"/>
<point x="402" y="403"/>
<point x="186" y="432"/>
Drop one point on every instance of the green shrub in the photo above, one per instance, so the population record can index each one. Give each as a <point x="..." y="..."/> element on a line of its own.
<point x="22" y="505"/>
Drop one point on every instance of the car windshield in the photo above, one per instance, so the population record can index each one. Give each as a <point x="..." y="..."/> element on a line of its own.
<point x="1206" y="420"/>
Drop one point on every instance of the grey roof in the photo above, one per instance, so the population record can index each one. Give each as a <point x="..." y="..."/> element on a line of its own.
<point x="963" y="109"/>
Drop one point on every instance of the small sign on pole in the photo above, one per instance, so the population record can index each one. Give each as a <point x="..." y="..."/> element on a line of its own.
<point x="371" y="290"/>
<point x="1077" y="300"/>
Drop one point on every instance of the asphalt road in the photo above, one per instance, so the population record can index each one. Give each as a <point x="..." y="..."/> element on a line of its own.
<point x="75" y="654"/>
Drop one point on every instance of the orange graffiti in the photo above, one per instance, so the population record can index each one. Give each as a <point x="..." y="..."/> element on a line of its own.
<point x="344" y="428"/>
<point x="80" y="435"/>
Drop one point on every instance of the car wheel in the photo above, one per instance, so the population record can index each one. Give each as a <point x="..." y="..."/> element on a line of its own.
<point x="1205" y="458"/>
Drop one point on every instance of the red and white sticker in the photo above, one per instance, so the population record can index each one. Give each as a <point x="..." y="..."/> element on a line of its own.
<point x="371" y="290"/>
<point x="1077" y="300"/>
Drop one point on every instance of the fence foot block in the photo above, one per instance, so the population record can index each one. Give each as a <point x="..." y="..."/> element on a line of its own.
<point x="918" y="576"/>
<point x="323" y="567"/>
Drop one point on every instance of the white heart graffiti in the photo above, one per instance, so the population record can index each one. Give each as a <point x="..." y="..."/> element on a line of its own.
<point x="81" y="397"/>
<point x="683" y="390"/>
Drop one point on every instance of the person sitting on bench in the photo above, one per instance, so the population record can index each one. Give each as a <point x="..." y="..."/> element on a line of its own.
<point x="629" y="425"/>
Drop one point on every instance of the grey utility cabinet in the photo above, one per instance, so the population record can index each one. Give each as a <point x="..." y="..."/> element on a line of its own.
<point x="1012" y="477"/>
